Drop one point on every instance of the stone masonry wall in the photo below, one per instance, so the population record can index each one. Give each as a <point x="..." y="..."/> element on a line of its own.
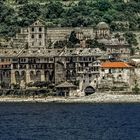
<point x="60" y="33"/>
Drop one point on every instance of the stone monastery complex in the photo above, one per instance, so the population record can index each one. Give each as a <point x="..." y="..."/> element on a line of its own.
<point x="30" y="57"/>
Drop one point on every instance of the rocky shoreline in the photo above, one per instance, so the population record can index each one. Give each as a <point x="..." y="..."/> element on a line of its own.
<point x="95" y="98"/>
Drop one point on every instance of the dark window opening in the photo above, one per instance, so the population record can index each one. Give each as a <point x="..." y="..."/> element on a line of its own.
<point x="32" y="29"/>
<point x="40" y="29"/>
<point x="32" y="36"/>
<point x="40" y="36"/>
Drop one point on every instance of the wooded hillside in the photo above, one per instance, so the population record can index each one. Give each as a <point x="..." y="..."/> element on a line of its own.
<point x="120" y="15"/>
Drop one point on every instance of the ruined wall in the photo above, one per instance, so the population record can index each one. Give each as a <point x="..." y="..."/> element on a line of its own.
<point x="60" y="33"/>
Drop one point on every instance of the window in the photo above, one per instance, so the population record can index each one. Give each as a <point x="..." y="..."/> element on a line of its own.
<point x="32" y="36"/>
<point x="32" y="29"/>
<point x="40" y="29"/>
<point x="119" y="77"/>
<point x="109" y="70"/>
<point x="103" y="70"/>
<point x="90" y="75"/>
<point x="40" y="36"/>
<point x="86" y="64"/>
<point x="2" y="60"/>
<point x="93" y="59"/>
<point x="40" y="43"/>
<point x="51" y="59"/>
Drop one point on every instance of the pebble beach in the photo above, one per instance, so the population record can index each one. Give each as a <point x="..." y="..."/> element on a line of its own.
<point x="94" y="98"/>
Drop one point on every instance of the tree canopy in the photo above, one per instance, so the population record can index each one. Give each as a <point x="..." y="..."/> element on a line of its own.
<point x="69" y="14"/>
<point x="131" y="38"/>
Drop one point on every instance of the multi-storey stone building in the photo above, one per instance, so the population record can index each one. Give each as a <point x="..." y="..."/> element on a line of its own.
<point x="23" y="66"/>
<point x="37" y="35"/>
<point x="28" y="58"/>
<point x="115" y="46"/>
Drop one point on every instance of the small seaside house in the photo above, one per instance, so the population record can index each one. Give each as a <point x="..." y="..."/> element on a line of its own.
<point x="66" y="89"/>
<point x="117" y="71"/>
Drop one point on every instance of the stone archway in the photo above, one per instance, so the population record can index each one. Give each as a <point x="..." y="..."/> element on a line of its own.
<point x="17" y="77"/>
<point x="23" y="76"/>
<point x="47" y="75"/>
<point x="32" y="76"/>
<point x="89" y="90"/>
<point x="5" y="78"/>
<point x="51" y="76"/>
<point x="38" y="75"/>
<point x="23" y="79"/>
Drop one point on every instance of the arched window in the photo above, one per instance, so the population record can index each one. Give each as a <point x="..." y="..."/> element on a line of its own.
<point x="23" y="75"/>
<point x="38" y="76"/>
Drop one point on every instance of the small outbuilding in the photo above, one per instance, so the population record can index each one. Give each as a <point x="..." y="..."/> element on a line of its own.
<point x="65" y="89"/>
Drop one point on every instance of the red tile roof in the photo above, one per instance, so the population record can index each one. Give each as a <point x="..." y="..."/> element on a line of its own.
<point x="115" y="65"/>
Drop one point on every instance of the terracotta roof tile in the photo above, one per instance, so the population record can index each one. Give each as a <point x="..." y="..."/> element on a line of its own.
<point x="115" y="65"/>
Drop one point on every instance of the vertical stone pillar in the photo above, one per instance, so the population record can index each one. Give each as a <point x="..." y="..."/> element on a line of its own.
<point x="13" y="78"/>
<point x="27" y="74"/>
<point x="42" y="76"/>
<point x="0" y="78"/>
<point x="47" y="76"/>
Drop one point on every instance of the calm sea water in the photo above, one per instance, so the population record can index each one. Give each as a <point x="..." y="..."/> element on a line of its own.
<point x="28" y="121"/>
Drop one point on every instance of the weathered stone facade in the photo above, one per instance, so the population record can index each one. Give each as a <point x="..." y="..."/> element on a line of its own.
<point x="28" y="58"/>
<point x="51" y="65"/>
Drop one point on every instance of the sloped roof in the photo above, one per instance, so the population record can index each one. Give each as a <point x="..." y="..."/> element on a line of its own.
<point x="115" y="65"/>
<point x="65" y="85"/>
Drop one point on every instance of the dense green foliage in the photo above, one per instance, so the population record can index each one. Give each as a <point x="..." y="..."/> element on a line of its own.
<point x="73" y="38"/>
<point x="57" y="13"/>
<point x="136" y="88"/>
<point x="131" y="38"/>
<point x="93" y="43"/>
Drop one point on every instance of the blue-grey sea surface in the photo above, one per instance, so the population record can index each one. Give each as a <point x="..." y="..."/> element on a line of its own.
<point x="41" y="121"/>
